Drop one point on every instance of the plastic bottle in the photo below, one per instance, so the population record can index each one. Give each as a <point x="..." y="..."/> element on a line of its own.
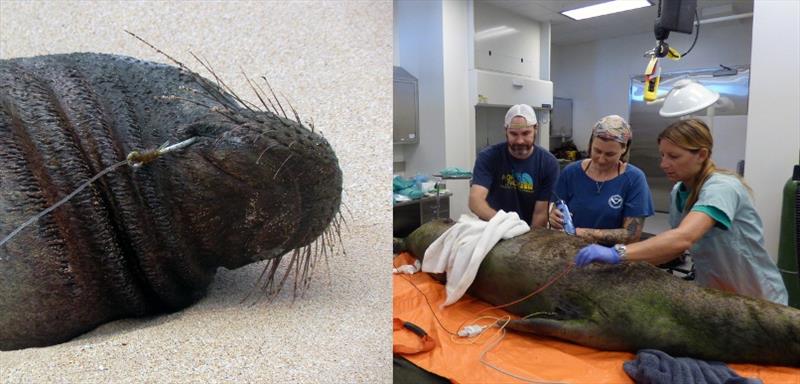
<point x="569" y="228"/>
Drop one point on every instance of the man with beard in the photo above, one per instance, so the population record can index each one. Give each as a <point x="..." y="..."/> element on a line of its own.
<point x="516" y="175"/>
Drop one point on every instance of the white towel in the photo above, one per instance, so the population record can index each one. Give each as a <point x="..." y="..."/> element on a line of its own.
<point x="460" y="250"/>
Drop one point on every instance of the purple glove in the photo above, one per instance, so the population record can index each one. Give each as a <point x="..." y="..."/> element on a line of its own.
<point x="599" y="253"/>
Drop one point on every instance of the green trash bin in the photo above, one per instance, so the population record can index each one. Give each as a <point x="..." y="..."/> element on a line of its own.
<point x="789" y="245"/>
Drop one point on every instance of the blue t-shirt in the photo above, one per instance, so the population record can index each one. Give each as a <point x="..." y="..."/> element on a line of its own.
<point x="605" y="204"/>
<point x="513" y="184"/>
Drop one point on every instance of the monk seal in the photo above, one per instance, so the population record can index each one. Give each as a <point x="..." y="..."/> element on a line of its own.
<point x="255" y="185"/>
<point x="625" y="307"/>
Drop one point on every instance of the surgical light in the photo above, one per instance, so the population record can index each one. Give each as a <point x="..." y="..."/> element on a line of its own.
<point x="687" y="97"/>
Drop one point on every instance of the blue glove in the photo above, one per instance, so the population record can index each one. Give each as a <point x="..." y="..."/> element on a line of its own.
<point x="599" y="253"/>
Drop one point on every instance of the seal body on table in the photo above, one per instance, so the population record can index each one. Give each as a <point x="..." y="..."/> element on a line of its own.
<point x="626" y="307"/>
<point x="253" y="186"/>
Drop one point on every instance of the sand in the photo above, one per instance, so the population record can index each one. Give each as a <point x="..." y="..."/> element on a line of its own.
<point x="333" y="61"/>
<point x="337" y="332"/>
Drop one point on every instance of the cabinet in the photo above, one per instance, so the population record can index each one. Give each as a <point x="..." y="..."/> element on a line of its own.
<point x="561" y="122"/>
<point x="406" y="107"/>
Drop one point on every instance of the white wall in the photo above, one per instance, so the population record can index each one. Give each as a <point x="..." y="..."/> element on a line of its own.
<point x="596" y="75"/>
<point x="509" y="37"/>
<point x="459" y="137"/>
<point x="773" y="123"/>
<point x="435" y="42"/>
<point x="544" y="54"/>
<point x="418" y="24"/>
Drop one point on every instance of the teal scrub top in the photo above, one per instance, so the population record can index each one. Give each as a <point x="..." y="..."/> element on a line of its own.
<point x="731" y="255"/>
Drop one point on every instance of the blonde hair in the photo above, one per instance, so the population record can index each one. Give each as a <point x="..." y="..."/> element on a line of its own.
<point x="694" y="135"/>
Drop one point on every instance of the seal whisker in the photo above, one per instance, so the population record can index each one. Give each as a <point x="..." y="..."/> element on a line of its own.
<point x="207" y="66"/>
<point x="274" y="110"/>
<point x="339" y="233"/>
<point x="195" y="92"/>
<point x="292" y="262"/>
<point x="309" y="259"/>
<point x="229" y="116"/>
<point x="347" y="208"/>
<point x="282" y="164"/>
<point x="218" y="97"/>
<point x="173" y="97"/>
<point x="288" y="102"/>
<point x="156" y="49"/>
<point x="217" y="79"/>
<point x="310" y="123"/>
<point x="301" y="265"/>
<point x="268" y="287"/>
<point x="297" y="268"/>
<point x="205" y="94"/>
<point x="325" y="245"/>
<point x="275" y="96"/>
<point x="258" y="281"/>
<point x="250" y="83"/>
<point x="258" y="161"/>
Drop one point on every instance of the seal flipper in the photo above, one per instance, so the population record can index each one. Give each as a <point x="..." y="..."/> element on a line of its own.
<point x="580" y="331"/>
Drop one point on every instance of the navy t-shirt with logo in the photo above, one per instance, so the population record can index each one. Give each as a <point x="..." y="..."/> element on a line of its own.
<point x="513" y="184"/>
<point x="604" y="205"/>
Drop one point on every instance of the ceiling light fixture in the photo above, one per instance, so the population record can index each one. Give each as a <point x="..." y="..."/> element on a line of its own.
<point x="605" y="9"/>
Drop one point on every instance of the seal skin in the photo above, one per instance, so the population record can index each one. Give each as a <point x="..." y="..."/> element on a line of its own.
<point x="624" y="307"/>
<point x="146" y="240"/>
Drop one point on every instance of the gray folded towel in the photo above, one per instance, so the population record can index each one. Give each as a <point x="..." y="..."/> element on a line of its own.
<point x="656" y="367"/>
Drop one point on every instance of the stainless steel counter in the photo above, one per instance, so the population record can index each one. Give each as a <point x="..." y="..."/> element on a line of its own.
<point x="409" y="215"/>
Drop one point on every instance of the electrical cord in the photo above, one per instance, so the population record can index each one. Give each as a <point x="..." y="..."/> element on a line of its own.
<point x="477" y="330"/>
<point x="548" y="283"/>
<point x="696" y="35"/>
<point x="492" y="345"/>
<point x="426" y="301"/>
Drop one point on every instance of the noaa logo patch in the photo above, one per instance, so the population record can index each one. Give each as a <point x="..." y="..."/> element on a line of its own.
<point x="615" y="201"/>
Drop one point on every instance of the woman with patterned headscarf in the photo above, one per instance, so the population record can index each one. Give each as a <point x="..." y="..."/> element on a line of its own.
<point x="711" y="214"/>
<point x="608" y="197"/>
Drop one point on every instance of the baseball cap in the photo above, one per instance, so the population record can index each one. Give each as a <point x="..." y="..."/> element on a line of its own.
<point x="613" y="127"/>
<point x="522" y="110"/>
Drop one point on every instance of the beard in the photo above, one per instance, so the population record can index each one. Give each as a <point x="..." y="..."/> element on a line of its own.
<point x="520" y="150"/>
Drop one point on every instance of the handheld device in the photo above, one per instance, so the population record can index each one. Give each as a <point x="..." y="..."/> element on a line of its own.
<point x="569" y="228"/>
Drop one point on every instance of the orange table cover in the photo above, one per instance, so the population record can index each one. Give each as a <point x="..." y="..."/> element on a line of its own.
<point x="527" y="356"/>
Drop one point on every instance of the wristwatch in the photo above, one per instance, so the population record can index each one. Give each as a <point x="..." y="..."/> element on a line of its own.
<point x="622" y="251"/>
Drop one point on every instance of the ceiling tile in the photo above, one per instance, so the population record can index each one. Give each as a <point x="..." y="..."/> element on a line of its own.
<point x="567" y="31"/>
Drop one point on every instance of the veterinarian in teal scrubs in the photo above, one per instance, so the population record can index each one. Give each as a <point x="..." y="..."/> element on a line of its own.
<point x="712" y="215"/>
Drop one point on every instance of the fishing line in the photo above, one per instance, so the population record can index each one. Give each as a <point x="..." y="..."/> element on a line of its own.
<point x="135" y="159"/>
